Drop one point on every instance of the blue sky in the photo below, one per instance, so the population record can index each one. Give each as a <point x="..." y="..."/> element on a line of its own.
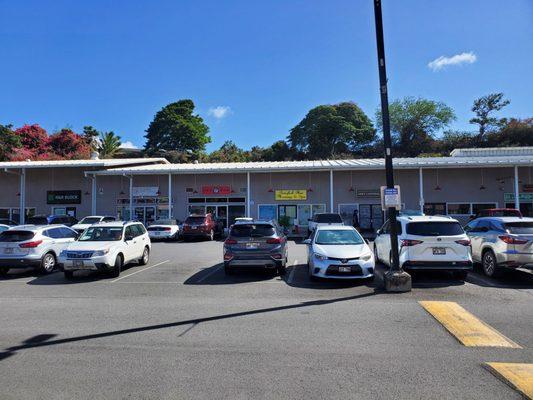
<point x="253" y="68"/>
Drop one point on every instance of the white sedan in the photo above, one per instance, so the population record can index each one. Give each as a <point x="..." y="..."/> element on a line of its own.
<point x="338" y="252"/>
<point x="164" y="229"/>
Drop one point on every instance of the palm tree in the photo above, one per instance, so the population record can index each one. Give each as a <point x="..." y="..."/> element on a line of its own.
<point x="109" y="145"/>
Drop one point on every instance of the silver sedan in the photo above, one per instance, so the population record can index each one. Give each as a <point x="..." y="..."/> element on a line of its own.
<point x="338" y="252"/>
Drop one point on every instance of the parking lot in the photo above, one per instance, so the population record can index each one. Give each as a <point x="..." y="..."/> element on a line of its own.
<point x="179" y="328"/>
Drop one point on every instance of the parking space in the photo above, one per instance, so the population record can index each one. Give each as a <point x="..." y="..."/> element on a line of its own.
<point x="179" y="327"/>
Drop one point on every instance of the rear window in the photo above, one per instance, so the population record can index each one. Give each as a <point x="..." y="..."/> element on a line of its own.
<point x="90" y="220"/>
<point x="16" y="236"/>
<point x="195" y="220"/>
<point x="250" y="230"/>
<point x="37" y="221"/>
<point x="434" y="228"/>
<point x="328" y="218"/>
<point x="520" y="228"/>
<point x="164" y="222"/>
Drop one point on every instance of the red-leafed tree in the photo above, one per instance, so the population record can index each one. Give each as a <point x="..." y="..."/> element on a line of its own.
<point x="35" y="143"/>
<point x="67" y="145"/>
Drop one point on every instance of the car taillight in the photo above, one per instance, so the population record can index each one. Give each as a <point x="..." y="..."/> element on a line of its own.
<point x="464" y="242"/>
<point x="166" y="229"/>
<point x="409" y="242"/>
<point x="277" y="256"/>
<point x="30" y="245"/>
<point x="230" y="241"/>
<point x="274" y="241"/>
<point x="228" y="256"/>
<point x="512" y="240"/>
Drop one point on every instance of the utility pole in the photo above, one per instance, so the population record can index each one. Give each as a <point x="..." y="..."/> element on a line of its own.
<point x="396" y="279"/>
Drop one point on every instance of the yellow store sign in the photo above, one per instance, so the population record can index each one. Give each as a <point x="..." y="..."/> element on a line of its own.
<point x="291" y="194"/>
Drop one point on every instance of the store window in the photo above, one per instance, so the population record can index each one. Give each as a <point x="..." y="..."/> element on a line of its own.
<point x="435" y="208"/>
<point x="268" y="211"/>
<point x="459" y="209"/>
<point x="477" y="207"/>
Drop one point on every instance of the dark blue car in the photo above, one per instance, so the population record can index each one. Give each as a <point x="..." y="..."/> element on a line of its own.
<point x="51" y="220"/>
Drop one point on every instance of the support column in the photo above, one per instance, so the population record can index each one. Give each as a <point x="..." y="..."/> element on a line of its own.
<point x="248" y="193"/>
<point x="22" y="204"/>
<point x="131" y="197"/>
<point x="331" y="190"/>
<point x="93" y="195"/>
<point x="421" y="189"/>
<point x="170" y="210"/>
<point x="516" y="191"/>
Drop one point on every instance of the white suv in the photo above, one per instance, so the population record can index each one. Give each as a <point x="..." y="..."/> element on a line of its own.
<point x="107" y="247"/>
<point x="427" y="243"/>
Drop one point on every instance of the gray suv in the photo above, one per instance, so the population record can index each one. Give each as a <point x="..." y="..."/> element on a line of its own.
<point x="256" y="243"/>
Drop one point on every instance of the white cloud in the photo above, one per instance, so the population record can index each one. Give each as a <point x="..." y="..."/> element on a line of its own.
<point x="128" y="145"/>
<point x="458" y="59"/>
<point x="219" y="112"/>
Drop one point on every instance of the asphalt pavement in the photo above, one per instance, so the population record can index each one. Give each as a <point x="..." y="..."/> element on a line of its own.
<point x="179" y="328"/>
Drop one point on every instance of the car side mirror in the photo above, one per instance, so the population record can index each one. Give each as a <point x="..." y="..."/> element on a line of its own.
<point x="307" y="241"/>
<point x="378" y="232"/>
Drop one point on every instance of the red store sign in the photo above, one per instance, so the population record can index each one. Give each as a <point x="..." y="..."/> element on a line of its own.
<point x="215" y="190"/>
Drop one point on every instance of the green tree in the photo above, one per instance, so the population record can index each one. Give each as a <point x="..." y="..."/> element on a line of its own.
<point x="278" y="151"/>
<point x="484" y="108"/>
<point x="414" y="124"/>
<point x="9" y="142"/>
<point x="109" y="145"/>
<point x="176" y="128"/>
<point x="331" y="131"/>
<point x="90" y="135"/>
<point x="228" y="152"/>
<point x="513" y="132"/>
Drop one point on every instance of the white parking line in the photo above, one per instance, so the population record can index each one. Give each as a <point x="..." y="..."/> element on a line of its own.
<point x="209" y="274"/>
<point x="293" y="270"/>
<point x="141" y="270"/>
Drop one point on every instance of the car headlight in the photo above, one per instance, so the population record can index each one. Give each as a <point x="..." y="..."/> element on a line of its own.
<point x="321" y="257"/>
<point x="99" y="253"/>
<point x="366" y="257"/>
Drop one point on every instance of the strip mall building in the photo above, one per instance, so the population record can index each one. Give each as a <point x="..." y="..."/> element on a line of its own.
<point x="150" y="188"/>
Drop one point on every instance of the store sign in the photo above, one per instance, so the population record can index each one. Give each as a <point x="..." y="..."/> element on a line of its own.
<point x="522" y="197"/>
<point x="63" y="197"/>
<point x="215" y="190"/>
<point x="140" y="191"/>
<point x="368" y="193"/>
<point x="291" y="194"/>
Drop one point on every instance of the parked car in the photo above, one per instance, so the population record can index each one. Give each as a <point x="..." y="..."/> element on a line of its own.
<point x="4" y="227"/>
<point x="164" y="229"/>
<point x="33" y="246"/>
<point x="427" y="243"/>
<point x="7" y="221"/>
<point x="499" y="212"/>
<point x="256" y="243"/>
<point x="90" y="220"/>
<point x="66" y="220"/>
<point x="107" y="247"/>
<point x="338" y="252"/>
<point x="202" y="226"/>
<point x="321" y="219"/>
<point x="499" y="243"/>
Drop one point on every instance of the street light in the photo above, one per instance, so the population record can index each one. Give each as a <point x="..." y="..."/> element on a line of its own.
<point x="396" y="279"/>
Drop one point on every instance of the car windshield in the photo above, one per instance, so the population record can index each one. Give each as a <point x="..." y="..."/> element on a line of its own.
<point x="338" y="236"/>
<point x="252" y="230"/>
<point x="164" y="222"/>
<point x="328" y="218"/>
<point x="434" y="228"/>
<point x="37" y="221"/>
<point x="520" y="228"/>
<point x="16" y="236"/>
<point x="102" y="234"/>
<point x="195" y="220"/>
<point x="90" y="220"/>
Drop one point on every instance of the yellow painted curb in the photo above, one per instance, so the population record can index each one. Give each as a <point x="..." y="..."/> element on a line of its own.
<point x="518" y="376"/>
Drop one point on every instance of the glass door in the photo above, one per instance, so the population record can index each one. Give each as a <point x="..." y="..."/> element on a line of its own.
<point x="289" y="211"/>
<point x="235" y="212"/>
<point x="222" y="214"/>
<point x="149" y="215"/>
<point x="304" y="214"/>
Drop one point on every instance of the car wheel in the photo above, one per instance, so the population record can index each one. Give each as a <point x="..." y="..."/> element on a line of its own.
<point x="490" y="265"/>
<point x="3" y="271"/>
<point x="460" y="275"/>
<point x="48" y="263"/>
<point x="117" y="268"/>
<point x="69" y="275"/>
<point x="211" y="234"/>
<point x="145" y="257"/>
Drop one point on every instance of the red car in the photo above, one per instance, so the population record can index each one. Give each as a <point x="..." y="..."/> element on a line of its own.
<point x="202" y="226"/>
<point x="499" y="212"/>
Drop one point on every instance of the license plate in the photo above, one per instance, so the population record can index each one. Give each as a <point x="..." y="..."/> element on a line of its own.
<point x="8" y="250"/>
<point x="345" y="269"/>
<point x="439" y="251"/>
<point x="252" y="245"/>
<point x="78" y="263"/>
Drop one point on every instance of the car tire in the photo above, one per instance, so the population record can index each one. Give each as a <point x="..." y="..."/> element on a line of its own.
<point x="117" y="268"/>
<point x="490" y="265"/>
<point x="460" y="275"/>
<point x="48" y="263"/>
<point x="69" y="275"/>
<point x="4" y="271"/>
<point x="145" y="257"/>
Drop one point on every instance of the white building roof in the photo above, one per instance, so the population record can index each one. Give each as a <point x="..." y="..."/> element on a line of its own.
<point x="324" y="165"/>
<point x="103" y="163"/>
<point x="493" y="152"/>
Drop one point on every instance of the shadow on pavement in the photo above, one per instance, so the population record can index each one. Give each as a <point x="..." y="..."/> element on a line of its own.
<point x="215" y="275"/>
<point x="422" y="279"/>
<point x="511" y="279"/>
<point x="297" y="276"/>
<point x="43" y="339"/>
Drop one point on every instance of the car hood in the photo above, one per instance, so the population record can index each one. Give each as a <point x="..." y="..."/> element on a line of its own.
<point x="341" y="251"/>
<point x="76" y="246"/>
<point x="80" y="226"/>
